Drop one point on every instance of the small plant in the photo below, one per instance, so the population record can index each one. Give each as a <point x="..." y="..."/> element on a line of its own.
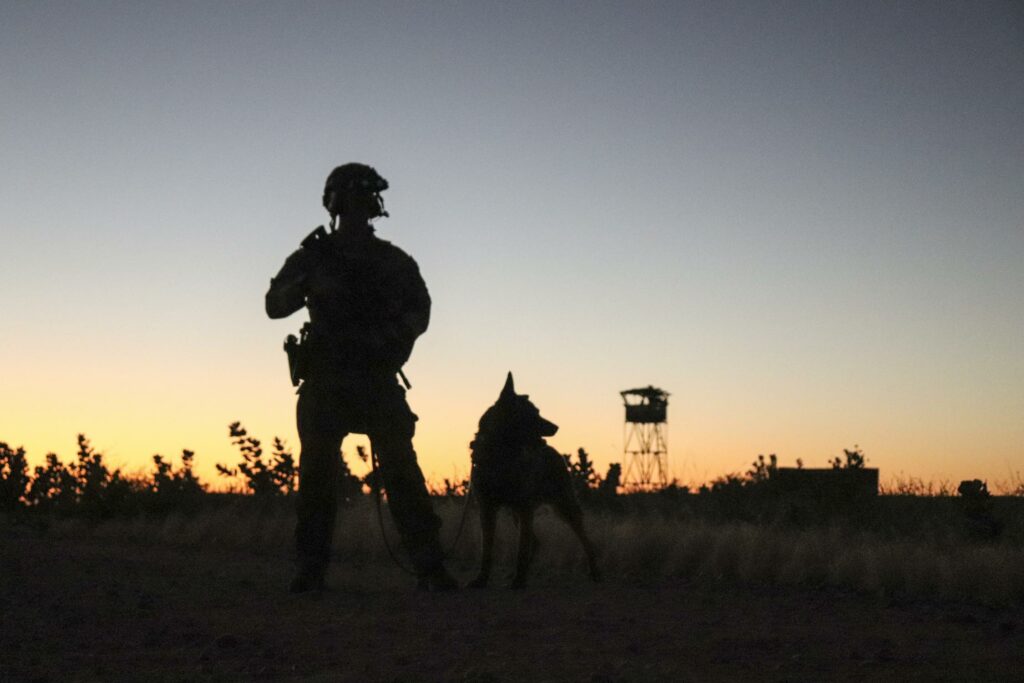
<point x="976" y="505"/>
<point x="14" y="478"/>
<point x="609" y="486"/>
<point x="854" y="460"/>
<point x="584" y="478"/>
<point x="762" y="470"/>
<point x="350" y="487"/>
<point x="724" y="484"/>
<point x="85" y="486"/>
<point x="451" y="488"/>
<point x="974" y="490"/>
<point x="100" y="491"/>
<point x="373" y="479"/>
<point x="172" y="489"/>
<point x="276" y="478"/>
<point x="53" y="486"/>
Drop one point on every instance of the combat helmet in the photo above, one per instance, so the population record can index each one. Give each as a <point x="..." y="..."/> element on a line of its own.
<point x="355" y="177"/>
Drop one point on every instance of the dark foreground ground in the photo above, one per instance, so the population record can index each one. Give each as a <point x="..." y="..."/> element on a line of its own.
<point x="89" y="609"/>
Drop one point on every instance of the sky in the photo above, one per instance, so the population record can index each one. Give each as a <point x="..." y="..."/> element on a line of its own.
<point x="804" y="220"/>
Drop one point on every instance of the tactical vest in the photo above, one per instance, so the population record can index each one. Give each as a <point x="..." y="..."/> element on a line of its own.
<point x="367" y="321"/>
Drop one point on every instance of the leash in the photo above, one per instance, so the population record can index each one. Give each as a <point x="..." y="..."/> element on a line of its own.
<point x="379" y="495"/>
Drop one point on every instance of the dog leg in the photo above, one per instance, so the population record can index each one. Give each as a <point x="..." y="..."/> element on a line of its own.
<point x="488" y="519"/>
<point x="573" y="516"/>
<point x="527" y="544"/>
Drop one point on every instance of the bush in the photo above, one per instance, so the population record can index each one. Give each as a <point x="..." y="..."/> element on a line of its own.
<point x="761" y="470"/>
<point x="86" y="486"/>
<point x="977" y="509"/>
<point x="264" y="480"/>
<point x="350" y="487"/>
<point x="53" y="487"/>
<point x="450" y="488"/>
<point x="99" y="491"/>
<point x="609" y="487"/>
<point x="590" y="488"/>
<point x="855" y="460"/>
<point x="584" y="478"/>
<point x="14" y="478"/>
<point x="171" y="489"/>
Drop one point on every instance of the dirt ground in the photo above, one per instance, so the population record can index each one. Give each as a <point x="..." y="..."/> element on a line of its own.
<point x="88" y="609"/>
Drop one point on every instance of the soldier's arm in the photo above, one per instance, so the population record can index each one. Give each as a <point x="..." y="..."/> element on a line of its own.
<point x="403" y="315"/>
<point x="287" y="292"/>
<point x="412" y="314"/>
<point x="415" y="316"/>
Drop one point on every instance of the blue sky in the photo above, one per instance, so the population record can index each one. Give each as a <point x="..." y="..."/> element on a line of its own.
<point x="805" y="220"/>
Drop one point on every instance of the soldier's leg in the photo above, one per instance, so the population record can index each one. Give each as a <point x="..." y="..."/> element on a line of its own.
<point x="321" y="435"/>
<point x="408" y="499"/>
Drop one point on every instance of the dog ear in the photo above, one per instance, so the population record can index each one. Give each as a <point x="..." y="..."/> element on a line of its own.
<point x="509" y="390"/>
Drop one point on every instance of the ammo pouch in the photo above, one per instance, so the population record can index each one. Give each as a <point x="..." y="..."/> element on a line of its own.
<point x="297" y="355"/>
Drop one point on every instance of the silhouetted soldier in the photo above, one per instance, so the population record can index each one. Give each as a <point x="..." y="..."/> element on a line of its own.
<point x="367" y="305"/>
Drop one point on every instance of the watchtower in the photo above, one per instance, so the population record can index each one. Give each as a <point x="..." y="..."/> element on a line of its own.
<point x="645" y="438"/>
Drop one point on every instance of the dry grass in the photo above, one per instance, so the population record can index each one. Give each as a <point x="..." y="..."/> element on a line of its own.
<point x="633" y="548"/>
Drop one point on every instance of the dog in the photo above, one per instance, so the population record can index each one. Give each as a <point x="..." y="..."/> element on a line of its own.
<point x="513" y="467"/>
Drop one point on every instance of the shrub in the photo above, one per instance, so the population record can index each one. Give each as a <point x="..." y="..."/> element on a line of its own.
<point x="762" y="470"/>
<point x="584" y="478"/>
<point x="100" y="492"/>
<point x="609" y="487"/>
<point x="54" y="485"/>
<point x="276" y="478"/>
<point x="86" y="485"/>
<point x="855" y="460"/>
<point x="450" y="488"/>
<point x="976" y="506"/>
<point x="171" y="489"/>
<point x="14" y="478"/>
<point x="350" y="487"/>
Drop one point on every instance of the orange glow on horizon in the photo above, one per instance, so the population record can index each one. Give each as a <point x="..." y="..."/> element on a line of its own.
<point x="129" y="429"/>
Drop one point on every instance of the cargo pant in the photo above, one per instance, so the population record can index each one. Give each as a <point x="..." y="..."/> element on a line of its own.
<point x="326" y="413"/>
